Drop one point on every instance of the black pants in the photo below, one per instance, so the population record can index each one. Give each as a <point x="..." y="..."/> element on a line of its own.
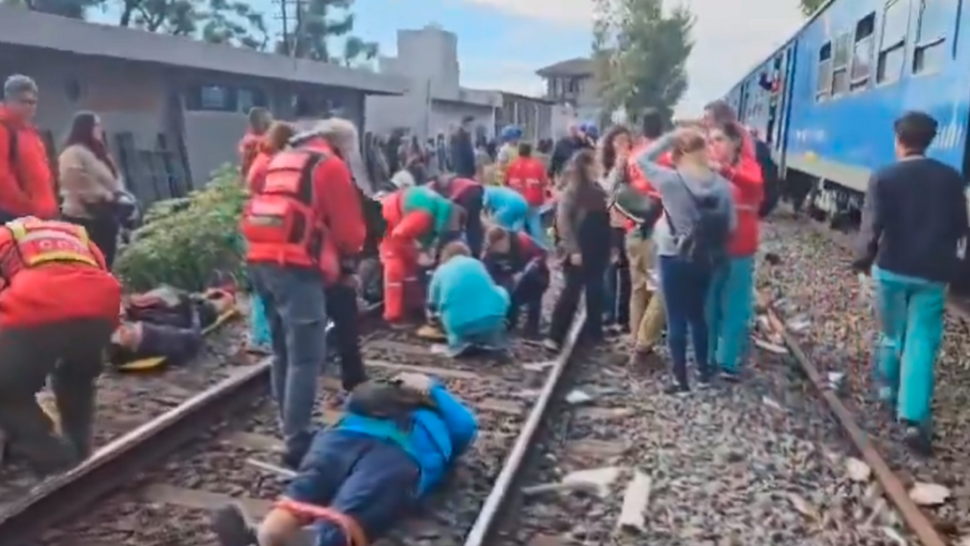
<point x="71" y="352"/>
<point x="528" y="292"/>
<point x="588" y="278"/>
<point x="342" y="309"/>
<point x="103" y="233"/>
<point x="471" y="201"/>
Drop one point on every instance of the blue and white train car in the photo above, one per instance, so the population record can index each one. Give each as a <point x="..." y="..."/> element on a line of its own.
<point x="826" y="100"/>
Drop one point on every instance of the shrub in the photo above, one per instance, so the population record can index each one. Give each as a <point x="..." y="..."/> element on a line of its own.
<point x="188" y="242"/>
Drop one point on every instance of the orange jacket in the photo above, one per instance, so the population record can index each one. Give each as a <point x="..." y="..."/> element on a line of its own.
<point x="256" y="175"/>
<point x="26" y="188"/>
<point x="335" y="206"/>
<point x="49" y="291"/>
<point x="404" y="231"/>
<point x="749" y="190"/>
<point x="249" y="147"/>
<point x="527" y="175"/>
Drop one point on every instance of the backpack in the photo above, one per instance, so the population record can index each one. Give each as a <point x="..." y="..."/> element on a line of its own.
<point x="772" y="183"/>
<point x="705" y="243"/>
<point x="382" y="399"/>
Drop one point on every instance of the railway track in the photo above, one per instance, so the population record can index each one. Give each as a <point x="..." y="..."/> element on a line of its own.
<point x="155" y="485"/>
<point x="820" y="312"/>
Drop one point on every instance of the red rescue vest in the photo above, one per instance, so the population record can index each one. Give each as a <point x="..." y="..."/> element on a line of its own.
<point x="526" y="176"/>
<point x="279" y="222"/>
<point x="37" y="243"/>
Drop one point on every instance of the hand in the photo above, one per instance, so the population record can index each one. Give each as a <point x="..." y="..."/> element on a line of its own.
<point x="425" y="260"/>
<point x="576" y="259"/>
<point x="417" y="382"/>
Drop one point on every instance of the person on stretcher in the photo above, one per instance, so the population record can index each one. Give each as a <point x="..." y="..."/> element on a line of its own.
<point x="394" y="445"/>
<point x="166" y="322"/>
<point x="470" y="307"/>
<point x="419" y="221"/>
<point x="517" y="263"/>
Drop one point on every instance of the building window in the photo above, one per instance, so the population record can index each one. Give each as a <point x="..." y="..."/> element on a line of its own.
<point x="824" y="76"/>
<point x="215" y="97"/>
<point x="935" y="20"/>
<point x="892" y="49"/>
<point x="865" y="32"/>
<point x="247" y="99"/>
<point x="841" y="57"/>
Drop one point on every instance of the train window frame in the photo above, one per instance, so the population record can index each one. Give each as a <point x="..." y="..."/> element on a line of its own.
<point x="841" y="62"/>
<point x="895" y="44"/>
<point x="935" y="43"/>
<point x="823" y="88"/>
<point x="863" y="46"/>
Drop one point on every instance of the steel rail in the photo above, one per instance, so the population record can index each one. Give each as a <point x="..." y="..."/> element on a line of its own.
<point x="914" y="518"/>
<point x="113" y="465"/>
<point x="486" y="524"/>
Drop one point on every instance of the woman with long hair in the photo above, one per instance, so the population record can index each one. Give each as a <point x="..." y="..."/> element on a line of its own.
<point x="691" y="238"/>
<point x="582" y="224"/>
<point x="730" y="297"/>
<point x="91" y="184"/>
<point x="612" y="155"/>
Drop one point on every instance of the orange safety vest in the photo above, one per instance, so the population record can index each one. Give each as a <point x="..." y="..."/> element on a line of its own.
<point x="41" y="242"/>
<point x="279" y="222"/>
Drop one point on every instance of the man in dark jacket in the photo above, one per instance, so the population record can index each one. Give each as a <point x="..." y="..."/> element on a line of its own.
<point x="463" y="151"/>
<point x="913" y="228"/>
<point x="565" y="148"/>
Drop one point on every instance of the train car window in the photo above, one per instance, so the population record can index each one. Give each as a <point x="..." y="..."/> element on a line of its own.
<point x="824" y="84"/>
<point x="841" y="58"/>
<point x="935" y="19"/>
<point x="865" y="32"/>
<point x="892" y="49"/>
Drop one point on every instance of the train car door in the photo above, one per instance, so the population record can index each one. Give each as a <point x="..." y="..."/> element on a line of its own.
<point x="784" y="105"/>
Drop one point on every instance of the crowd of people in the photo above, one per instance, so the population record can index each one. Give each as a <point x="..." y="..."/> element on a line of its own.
<point x="463" y="255"/>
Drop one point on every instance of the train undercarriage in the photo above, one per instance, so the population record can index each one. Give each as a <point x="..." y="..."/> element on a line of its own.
<point x="824" y="200"/>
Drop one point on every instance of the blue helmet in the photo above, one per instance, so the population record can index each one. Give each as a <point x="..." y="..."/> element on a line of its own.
<point x="589" y="129"/>
<point x="511" y="133"/>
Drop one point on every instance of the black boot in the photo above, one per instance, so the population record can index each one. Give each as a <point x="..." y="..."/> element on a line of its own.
<point x="919" y="439"/>
<point x="232" y="527"/>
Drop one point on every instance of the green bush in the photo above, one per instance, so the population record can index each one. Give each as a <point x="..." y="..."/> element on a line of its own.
<point x="187" y="242"/>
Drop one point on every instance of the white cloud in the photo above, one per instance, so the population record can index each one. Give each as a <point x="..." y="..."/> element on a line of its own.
<point x="731" y="36"/>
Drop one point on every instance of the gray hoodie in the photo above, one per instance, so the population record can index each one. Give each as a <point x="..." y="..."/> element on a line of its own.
<point x="673" y="186"/>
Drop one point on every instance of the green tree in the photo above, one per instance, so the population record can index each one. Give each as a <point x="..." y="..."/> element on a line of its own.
<point x="218" y="21"/>
<point x="314" y="24"/>
<point x="75" y="9"/>
<point x="809" y="7"/>
<point x="640" y="54"/>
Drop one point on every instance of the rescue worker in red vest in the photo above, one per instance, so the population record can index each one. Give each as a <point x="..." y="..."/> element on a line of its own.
<point x="527" y="175"/>
<point x="304" y="229"/>
<point x="59" y="306"/>
<point x="469" y="195"/>
<point x="419" y="221"/>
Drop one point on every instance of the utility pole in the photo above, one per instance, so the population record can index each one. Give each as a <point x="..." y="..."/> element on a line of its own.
<point x="292" y="25"/>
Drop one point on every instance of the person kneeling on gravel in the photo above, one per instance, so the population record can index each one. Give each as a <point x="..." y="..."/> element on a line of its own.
<point x="395" y="443"/>
<point x="517" y="263"/>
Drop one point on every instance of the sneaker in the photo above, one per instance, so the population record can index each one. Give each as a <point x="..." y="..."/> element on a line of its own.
<point x="705" y="378"/>
<point x="550" y="345"/>
<point x="730" y="376"/>
<point x="232" y="527"/>
<point x="676" y="389"/>
<point x="918" y="440"/>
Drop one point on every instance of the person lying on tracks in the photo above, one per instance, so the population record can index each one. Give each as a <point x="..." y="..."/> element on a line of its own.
<point x="361" y="477"/>
<point x="418" y="221"/>
<point x="914" y="219"/>
<point x="304" y="229"/>
<point x="58" y="308"/>
<point x="470" y="196"/>
<point x="518" y="264"/>
<point x="471" y="306"/>
<point x="730" y="302"/>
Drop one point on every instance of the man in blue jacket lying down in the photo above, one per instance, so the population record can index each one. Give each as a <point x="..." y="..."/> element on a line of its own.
<point x="362" y="476"/>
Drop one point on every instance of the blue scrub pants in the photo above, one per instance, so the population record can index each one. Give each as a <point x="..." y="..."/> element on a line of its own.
<point x="258" y="325"/>
<point x="910" y="314"/>
<point x="728" y="309"/>
<point x="369" y="479"/>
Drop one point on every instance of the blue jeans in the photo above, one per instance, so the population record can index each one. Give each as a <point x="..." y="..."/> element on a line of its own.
<point x="368" y="479"/>
<point x="910" y="315"/>
<point x="729" y="309"/>
<point x="297" y="312"/>
<point x="684" y="285"/>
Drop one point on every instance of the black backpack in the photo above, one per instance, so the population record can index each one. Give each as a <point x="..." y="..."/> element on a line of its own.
<point x="705" y="244"/>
